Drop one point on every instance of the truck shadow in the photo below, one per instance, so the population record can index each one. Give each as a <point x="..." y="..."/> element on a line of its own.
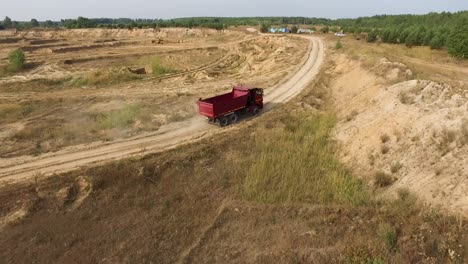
<point x="249" y="116"/>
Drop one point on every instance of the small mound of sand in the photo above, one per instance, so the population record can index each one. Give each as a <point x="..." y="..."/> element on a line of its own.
<point x="14" y="217"/>
<point x="416" y="131"/>
<point x="392" y="71"/>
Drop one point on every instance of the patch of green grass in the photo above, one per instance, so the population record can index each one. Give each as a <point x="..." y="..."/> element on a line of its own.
<point x="118" y="119"/>
<point x="16" y="60"/>
<point x="100" y="78"/>
<point x="338" y="45"/>
<point x="160" y="69"/>
<point x="9" y="112"/>
<point x="389" y="237"/>
<point x="298" y="164"/>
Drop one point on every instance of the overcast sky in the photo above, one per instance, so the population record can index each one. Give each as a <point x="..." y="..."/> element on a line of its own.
<point x="24" y="10"/>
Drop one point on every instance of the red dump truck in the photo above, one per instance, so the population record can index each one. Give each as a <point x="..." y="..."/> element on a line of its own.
<point x="225" y="109"/>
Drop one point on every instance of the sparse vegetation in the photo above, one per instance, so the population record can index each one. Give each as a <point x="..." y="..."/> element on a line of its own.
<point x="464" y="131"/>
<point x="338" y="45"/>
<point x="406" y="98"/>
<point x="264" y="28"/>
<point x="389" y="236"/>
<point x="159" y="69"/>
<point x="118" y="119"/>
<point x="395" y="167"/>
<point x="384" y="138"/>
<point x="99" y="78"/>
<point x="16" y="60"/>
<point x="298" y="164"/>
<point x="382" y="179"/>
<point x="384" y="149"/>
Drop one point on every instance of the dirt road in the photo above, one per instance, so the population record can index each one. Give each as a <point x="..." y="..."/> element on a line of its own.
<point x="167" y="137"/>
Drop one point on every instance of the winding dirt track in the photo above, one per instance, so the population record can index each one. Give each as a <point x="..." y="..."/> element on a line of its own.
<point x="167" y="137"/>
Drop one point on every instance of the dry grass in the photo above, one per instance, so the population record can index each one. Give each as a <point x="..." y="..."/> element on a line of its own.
<point x="395" y="167"/>
<point x="384" y="149"/>
<point x="298" y="164"/>
<point x="406" y="98"/>
<point x="192" y="191"/>
<point x="382" y="179"/>
<point x="384" y="138"/>
<point x="103" y="78"/>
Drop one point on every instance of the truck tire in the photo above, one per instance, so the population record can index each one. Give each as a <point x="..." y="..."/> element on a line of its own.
<point x="233" y="118"/>
<point x="256" y="110"/>
<point x="223" y="121"/>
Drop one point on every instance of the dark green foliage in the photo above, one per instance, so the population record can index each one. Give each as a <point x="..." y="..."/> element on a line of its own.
<point x="34" y="23"/>
<point x="264" y="28"/>
<point x="436" y="42"/>
<point x="49" y="24"/>
<point x="7" y="22"/>
<point x="294" y="29"/>
<point x="325" y="29"/>
<point x="334" y="29"/>
<point x="372" y="36"/>
<point x="411" y="39"/>
<point x="16" y="60"/>
<point x="433" y="29"/>
<point x="457" y="42"/>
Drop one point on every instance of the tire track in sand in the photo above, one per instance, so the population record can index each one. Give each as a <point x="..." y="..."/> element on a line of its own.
<point x="167" y="137"/>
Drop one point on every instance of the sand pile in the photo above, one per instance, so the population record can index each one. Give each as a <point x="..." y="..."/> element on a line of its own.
<point x="414" y="131"/>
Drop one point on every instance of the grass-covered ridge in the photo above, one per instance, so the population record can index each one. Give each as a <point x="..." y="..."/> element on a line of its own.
<point x="297" y="163"/>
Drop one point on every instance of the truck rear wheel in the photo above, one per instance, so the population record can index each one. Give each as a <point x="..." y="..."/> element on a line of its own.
<point x="256" y="110"/>
<point x="233" y="117"/>
<point x="223" y="121"/>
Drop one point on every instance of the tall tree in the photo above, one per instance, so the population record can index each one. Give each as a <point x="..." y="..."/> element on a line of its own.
<point x="34" y="23"/>
<point x="7" y="22"/>
<point x="457" y="42"/>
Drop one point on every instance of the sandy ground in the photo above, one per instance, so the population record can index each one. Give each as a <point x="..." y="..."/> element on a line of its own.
<point x="415" y="131"/>
<point x="57" y="102"/>
<point x="166" y="137"/>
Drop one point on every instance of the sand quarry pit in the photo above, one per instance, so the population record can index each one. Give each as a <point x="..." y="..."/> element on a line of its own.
<point x="100" y="85"/>
<point x="413" y="132"/>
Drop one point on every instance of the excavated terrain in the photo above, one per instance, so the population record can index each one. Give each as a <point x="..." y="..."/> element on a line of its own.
<point x="411" y="132"/>
<point x="80" y="86"/>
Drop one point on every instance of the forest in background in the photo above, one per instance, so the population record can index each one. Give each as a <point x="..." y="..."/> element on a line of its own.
<point x="437" y="30"/>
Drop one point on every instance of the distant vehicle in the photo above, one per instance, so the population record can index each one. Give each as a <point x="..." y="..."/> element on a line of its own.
<point x="340" y="34"/>
<point x="280" y="30"/>
<point x="305" y="31"/>
<point x="225" y="109"/>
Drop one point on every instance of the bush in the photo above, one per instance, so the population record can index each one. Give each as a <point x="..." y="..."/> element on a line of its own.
<point x="382" y="179"/>
<point x="16" y="60"/>
<point x="372" y="36"/>
<point x="159" y="69"/>
<point x="294" y="29"/>
<point x="264" y="28"/>
<point x="436" y="43"/>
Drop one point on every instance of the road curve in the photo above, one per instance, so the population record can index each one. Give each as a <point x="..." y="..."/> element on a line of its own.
<point x="167" y="137"/>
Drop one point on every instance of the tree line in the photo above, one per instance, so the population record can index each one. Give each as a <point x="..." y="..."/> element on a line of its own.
<point x="436" y="30"/>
